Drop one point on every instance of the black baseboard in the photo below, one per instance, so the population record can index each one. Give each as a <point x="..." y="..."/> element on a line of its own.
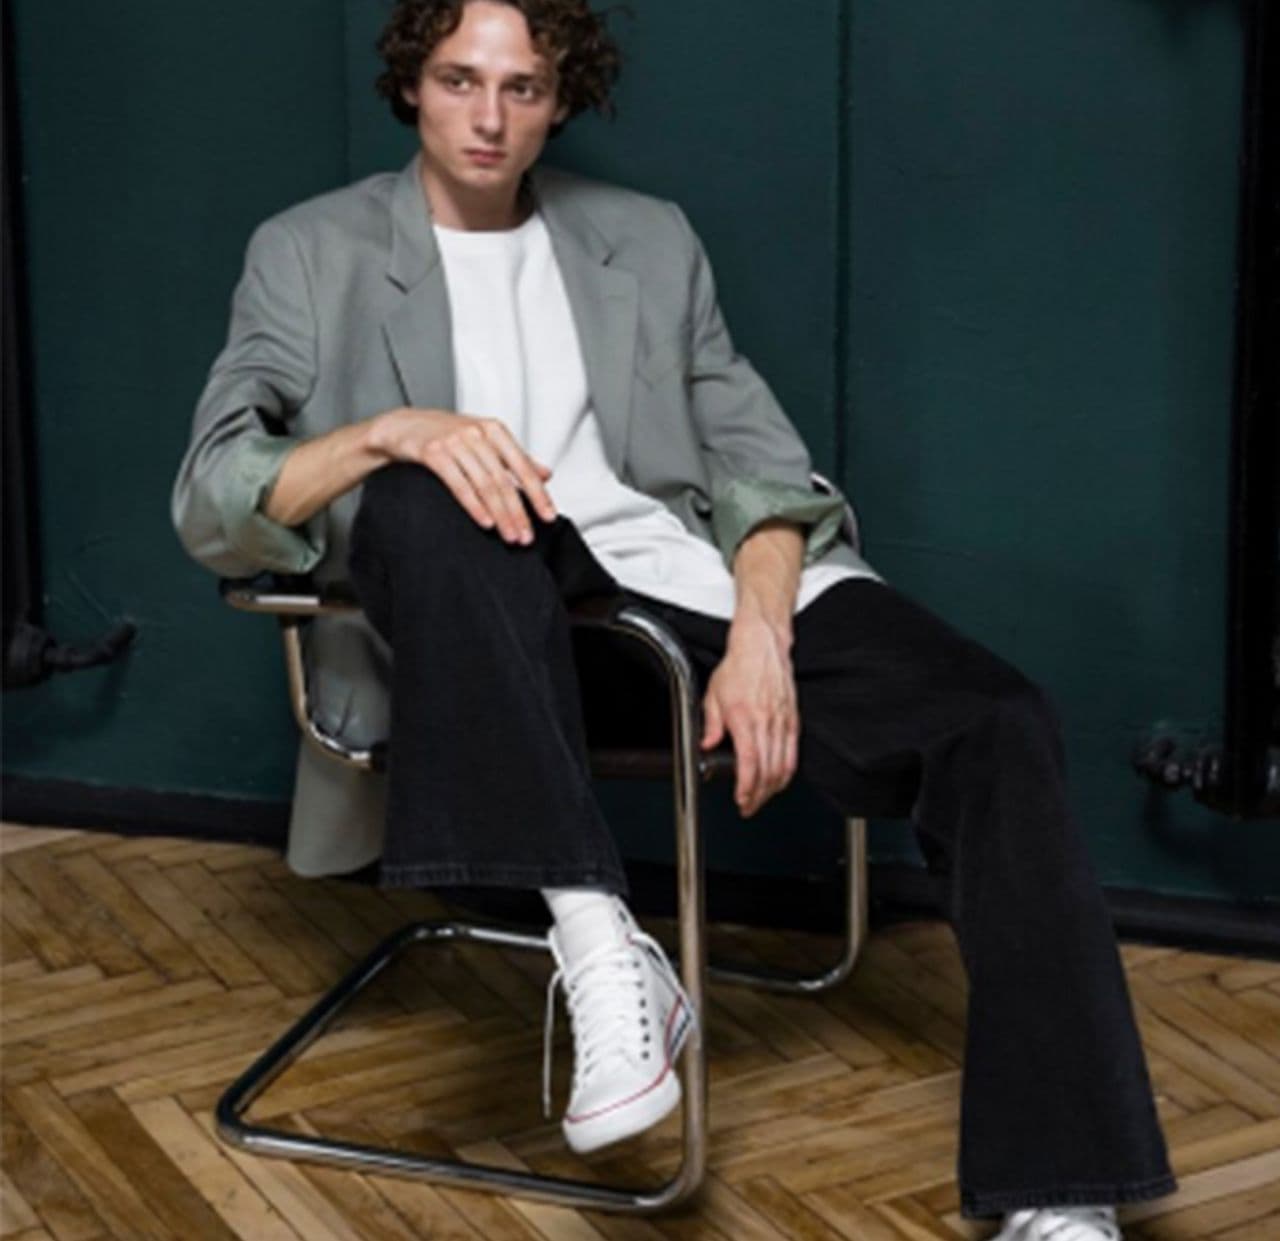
<point x="898" y="892"/>
<point x="143" y="812"/>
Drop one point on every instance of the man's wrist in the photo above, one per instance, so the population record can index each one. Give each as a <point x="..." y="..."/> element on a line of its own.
<point x="753" y="619"/>
<point x="766" y="579"/>
<point x="374" y="433"/>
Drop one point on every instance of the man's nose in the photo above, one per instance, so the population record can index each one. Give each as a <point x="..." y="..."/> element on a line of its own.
<point x="487" y="118"/>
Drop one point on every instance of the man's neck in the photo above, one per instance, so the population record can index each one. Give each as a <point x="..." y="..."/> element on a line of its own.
<point x="454" y="206"/>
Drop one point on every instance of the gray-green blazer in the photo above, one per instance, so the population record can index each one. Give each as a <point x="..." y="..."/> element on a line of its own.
<point x="342" y="312"/>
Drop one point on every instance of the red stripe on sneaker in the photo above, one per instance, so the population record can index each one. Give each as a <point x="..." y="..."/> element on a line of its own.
<point x="639" y="1094"/>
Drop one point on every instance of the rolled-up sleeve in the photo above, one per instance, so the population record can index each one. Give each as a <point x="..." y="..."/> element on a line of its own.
<point x="240" y="434"/>
<point x="760" y="468"/>
<point x="739" y="505"/>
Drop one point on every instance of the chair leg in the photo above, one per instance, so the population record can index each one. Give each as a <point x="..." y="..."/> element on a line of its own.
<point x="357" y="1156"/>
<point x="685" y="732"/>
<point x="854" y="931"/>
<point x="263" y="1140"/>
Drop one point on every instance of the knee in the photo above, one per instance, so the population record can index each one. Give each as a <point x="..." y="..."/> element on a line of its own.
<point x="406" y="487"/>
<point x="405" y="501"/>
<point x="1024" y="711"/>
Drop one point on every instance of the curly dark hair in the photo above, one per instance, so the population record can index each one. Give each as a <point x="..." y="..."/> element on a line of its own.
<point x="567" y="32"/>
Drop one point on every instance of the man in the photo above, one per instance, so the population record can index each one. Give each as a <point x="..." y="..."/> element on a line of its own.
<point x="479" y="389"/>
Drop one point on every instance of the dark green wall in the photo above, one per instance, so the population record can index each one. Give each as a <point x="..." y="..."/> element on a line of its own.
<point x="1042" y="236"/>
<point x="982" y="251"/>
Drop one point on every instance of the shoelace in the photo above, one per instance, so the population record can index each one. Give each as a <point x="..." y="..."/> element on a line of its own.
<point x="604" y="993"/>
<point x="1070" y="1223"/>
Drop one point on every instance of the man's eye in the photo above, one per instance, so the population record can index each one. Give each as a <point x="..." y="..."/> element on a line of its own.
<point x="526" y="90"/>
<point x="454" y="81"/>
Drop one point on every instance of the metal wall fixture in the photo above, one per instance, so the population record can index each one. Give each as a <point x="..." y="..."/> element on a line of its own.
<point x="1241" y="774"/>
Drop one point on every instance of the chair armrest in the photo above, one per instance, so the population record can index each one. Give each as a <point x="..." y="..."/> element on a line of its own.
<point x="291" y="600"/>
<point x="274" y="594"/>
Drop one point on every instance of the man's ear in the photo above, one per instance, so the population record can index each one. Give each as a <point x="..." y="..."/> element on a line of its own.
<point x="410" y="95"/>
<point x="561" y="114"/>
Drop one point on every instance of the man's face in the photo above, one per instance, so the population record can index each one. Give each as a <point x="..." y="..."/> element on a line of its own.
<point x="486" y="101"/>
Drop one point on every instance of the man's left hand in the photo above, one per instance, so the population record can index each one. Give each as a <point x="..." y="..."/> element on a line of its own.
<point x="752" y="695"/>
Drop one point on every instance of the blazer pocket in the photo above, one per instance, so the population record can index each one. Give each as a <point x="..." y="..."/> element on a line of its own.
<point x="655" y="365"/>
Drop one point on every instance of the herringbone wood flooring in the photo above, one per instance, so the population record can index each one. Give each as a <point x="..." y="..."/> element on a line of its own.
<point x="141" y="975"/>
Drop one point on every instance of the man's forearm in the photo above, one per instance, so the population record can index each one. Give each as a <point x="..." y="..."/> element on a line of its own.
<point x="477" y="458"/>
<point x="752" y="692"/>
<point x="766" y="574"/>
<point x="319" y="470"/>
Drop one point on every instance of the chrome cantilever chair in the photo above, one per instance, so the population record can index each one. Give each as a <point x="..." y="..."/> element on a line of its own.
<point x="687" y="767"/>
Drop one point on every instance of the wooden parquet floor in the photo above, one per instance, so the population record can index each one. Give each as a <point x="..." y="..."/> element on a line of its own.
<point x="140" y="976"/>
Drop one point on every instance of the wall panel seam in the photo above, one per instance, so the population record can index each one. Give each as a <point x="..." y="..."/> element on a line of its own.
<point x="841" y="265"/>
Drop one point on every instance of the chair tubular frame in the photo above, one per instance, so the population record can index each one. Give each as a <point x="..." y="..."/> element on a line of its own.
<point x="689" y="768"/>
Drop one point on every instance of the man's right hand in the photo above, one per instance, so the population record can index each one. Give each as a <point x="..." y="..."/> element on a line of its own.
<point x="478" y="459"/>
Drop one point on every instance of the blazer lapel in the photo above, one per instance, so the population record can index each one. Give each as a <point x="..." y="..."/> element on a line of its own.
<point x="418" y="331"/>
<point x="604" y="301"/>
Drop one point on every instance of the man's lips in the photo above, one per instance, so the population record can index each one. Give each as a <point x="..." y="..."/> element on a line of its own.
<point x="483" y="155"/>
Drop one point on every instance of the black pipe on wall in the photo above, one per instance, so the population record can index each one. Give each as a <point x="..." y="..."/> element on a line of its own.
<point x="1241" y="775"/>
<point x="30" y="654"/>
<point x="22" y="588"/>
<point x="1252" y="695"/>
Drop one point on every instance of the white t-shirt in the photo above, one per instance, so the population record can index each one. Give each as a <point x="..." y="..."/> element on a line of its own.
<point x="517" y="358"/>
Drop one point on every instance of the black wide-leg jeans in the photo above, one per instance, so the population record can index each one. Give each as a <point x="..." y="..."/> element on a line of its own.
<point x="488" y="784"/>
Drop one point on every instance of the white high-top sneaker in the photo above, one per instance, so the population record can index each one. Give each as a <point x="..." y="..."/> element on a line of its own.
<point x="630" y="1018"/>
<point x="1060" y="1224"/>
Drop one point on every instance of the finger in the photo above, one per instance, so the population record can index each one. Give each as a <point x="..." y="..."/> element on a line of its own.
<point x="767" y="765"/>
<point x="770" y="765"/>
<point x="744" y="735"/>
<point x="447" y="470"/>
<point x="745" y="755"/>
<point x="792" y="758"/>
<point x="779" y="774"/>
<point x="781" y="726"/>
<point x="712" y="723"/>
<point x="531" y="475"/>
<point x="520" y="479"/>
<point x="506" y="486"/>
<point x="528" y="472"/>
<point x="531" y="484"/>
<point x="484" y="469"/>
<point x="760" y="769"/>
